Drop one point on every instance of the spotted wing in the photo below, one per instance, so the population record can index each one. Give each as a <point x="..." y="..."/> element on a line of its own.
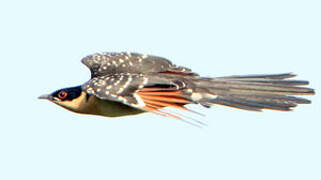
<point x="123" y="87"/>
<point x="116" y="87"/>
<point x="146" y="92"/>
<point x="101" y="64"/>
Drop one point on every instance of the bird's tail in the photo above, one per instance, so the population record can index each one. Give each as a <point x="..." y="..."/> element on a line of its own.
<point x="252" y="92"/>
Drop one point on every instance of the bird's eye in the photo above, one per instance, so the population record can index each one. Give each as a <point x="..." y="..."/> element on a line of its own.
<point x="62" y="94"/>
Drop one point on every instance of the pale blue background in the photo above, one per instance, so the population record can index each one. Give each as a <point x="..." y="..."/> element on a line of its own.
<point x="41" y="45"/>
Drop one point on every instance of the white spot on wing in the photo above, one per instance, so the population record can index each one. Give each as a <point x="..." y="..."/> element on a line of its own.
<point x="140" y="102"/>
<point x="210" y="96"/>
<point x="189" y="90"/>
<point x="145" y="80"/>
<point x="120" y="90"/>
<point x="196" y="96"/>
<point x="144" y="56"/>
<point x="108" y="87"/>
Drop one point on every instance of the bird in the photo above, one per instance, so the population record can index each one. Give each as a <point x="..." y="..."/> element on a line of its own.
<point x="124" y="83"/>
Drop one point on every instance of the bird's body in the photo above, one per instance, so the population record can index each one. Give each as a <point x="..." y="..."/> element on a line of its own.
<point x="130" y="83"/>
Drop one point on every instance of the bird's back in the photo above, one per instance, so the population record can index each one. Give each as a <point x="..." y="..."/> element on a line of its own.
<point x="114" y="63"/>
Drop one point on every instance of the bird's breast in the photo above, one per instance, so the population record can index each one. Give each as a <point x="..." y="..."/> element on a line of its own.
<point x="108" y="108"/>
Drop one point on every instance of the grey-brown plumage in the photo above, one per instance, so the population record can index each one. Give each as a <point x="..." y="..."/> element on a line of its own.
<point x="117" y="76"/>
<point x="150" y="83"/>
<point x="114" y="63"/>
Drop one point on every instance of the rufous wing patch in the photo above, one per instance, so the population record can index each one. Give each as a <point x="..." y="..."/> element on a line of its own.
<point x="156" y="99"/>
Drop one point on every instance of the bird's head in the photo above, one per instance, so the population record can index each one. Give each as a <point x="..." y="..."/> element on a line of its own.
<point x="72" y="98"/>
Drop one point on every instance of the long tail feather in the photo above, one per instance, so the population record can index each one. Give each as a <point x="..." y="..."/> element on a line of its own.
<point x="255" y="92"/>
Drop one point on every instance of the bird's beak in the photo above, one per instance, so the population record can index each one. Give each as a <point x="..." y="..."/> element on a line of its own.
<point x="45" y="96"/>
